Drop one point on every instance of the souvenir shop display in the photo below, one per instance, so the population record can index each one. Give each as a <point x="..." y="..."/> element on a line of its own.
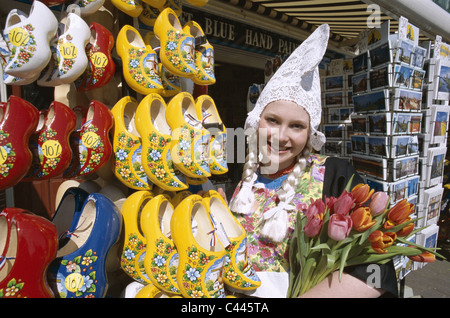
<point x="128" y="219"/>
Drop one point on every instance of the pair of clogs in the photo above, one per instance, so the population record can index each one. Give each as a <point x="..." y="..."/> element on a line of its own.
<point x="28" y="43"/>
<point x="142" y="143"/>
<point x="211" y="245"/>
<point x="69" y="60"/>
<point x="194" y="124"/>
<point x="89" y="141"/>
<point x="185" y="51"/>
<point x="88" y="226"/>
<point x="28" y="244"/>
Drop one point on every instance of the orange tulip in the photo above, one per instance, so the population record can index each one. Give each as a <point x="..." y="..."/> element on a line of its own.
<point x="382" y="240"/>
<point x="425" y="257"/>
<point x="399" y="213"/>
<point x="362" y="193"/>
<point x="406" y="230"/>
<point x="362" y="219"/>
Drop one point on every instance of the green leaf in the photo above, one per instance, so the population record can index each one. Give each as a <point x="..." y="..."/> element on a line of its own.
<point x="348" y="187"/>
<point x="321" y="246"/>
<point x="344" y="255"/>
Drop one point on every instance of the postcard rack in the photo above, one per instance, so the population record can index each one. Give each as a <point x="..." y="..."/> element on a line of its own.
<point x="386" y="110"/>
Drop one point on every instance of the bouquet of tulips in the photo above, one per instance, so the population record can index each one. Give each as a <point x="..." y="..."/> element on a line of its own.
<point x="358" y="227"/>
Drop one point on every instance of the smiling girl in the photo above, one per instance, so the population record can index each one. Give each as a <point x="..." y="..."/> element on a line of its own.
<point x="282" y="174"/>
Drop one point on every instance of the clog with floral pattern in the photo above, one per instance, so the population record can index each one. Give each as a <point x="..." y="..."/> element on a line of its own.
<point x="140" y="62"/>
<point x="29" y="38"/>
<point x="101" y="66"/>
<point x="50" y="145"/>
<point x="201" y="255"/>
<point x="161" y="258"/>
<point x="79" y="269"/>
<point x="94" y="145"/>
<point x="204" y="55"/>
<point x="135" y="243"/>
<point x="71" y="59"/>
<point x="171" y="83"/>
<point x="191" y="154"/>
<point x="157" y="143"/>
<point x="238" y="271"/>
<point x="19" y="121"/>
<point x="127" y="146"/>
<point x="177" y="47"/>
<point x="207" y="110"/>
<point x="28" y="244"/>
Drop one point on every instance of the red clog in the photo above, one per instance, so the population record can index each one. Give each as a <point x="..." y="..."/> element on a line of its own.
<point x="28" y="243"/>
<point x="90" y="143"/>
<point x="101" y="67"/>
<point x="50" y="144"/>
<point x="19" y="121"/>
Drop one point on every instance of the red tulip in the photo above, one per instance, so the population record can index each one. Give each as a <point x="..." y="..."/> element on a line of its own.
<point x="362" y="219"/>
<point x="314" y="215"/>
<point x="382" y="240"/>
<point x="339" y="226"/>
<point x="362" y="193"/>
<point x="344" y="203"/>
<point x="378" y="203"/>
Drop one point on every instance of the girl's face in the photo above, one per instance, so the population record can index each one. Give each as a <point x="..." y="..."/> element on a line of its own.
<point x="283" y="133"/>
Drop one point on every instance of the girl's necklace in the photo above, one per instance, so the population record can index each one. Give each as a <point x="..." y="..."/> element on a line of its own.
<point x="282" y="172"/>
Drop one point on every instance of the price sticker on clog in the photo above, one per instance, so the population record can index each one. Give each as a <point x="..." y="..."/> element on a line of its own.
<point x="3" y="155"/>
<point x="68" y="50"/>
<point x="90" y="139"/>
<point x="74" y="282"/>
<point x="18" y="36"/>
<point x="51" y="149"/>
<point x="99" y="59"/>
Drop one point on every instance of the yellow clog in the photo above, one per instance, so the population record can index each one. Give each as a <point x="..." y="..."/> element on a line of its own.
<point x="177" y="47"/>
<point x="161" y="258"/>
<point x="238" y="270"/>
<point x="134" y="248"/>
<point x="201" y="256"/>
<point x="204" y="55"/>
<point x="191" y="153"/>
<point x="133" y="8"/>
<point x="140" y="62"/>
<point x="157" y="144"/>
<point x="171" y="83"/>
<point x="127" y="146"/>
<point x="211" y="120"/>
<point x="148" y="15"/>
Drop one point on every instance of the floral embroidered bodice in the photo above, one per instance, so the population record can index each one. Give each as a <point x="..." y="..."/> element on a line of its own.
<point x="263" y="253"/>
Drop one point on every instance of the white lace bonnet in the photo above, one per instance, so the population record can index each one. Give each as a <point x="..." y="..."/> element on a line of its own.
<point x="297" y="80"/>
